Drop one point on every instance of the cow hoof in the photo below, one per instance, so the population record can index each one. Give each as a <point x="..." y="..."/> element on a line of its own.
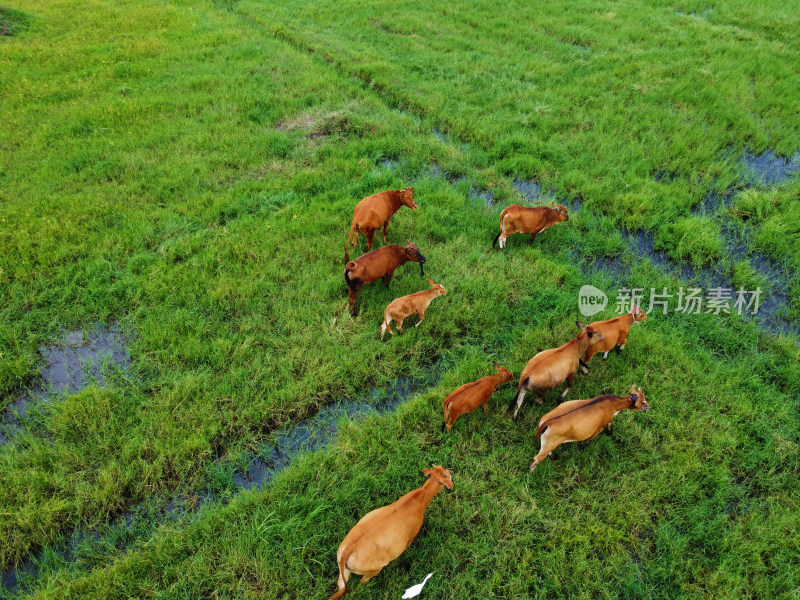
<point x="585" y="370"/>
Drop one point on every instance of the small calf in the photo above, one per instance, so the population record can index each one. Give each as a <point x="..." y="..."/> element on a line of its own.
<point x="384" y="534"/>
<point x="471" y="395"/>
<point x="406" y="306"/>
<point x="579" y="420"/>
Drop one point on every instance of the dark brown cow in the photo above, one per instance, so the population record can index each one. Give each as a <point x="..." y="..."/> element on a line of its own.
<point x="526" y="219"/>
<point x="376" y="210"/>
<point x="378" y="264"/>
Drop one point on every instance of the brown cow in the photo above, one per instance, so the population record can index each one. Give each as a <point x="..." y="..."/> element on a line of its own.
<point x="376" y="210"/>
<point x="471" y="395"/>
<point x="550" y="368"/>
<point x="378" y="264"/>
<point x="579" y="420"/>
<point x="384" y="534"/>
<point x="406" y="306"/>
<point x="526" y="219"/>
<point x="615" y="332"/>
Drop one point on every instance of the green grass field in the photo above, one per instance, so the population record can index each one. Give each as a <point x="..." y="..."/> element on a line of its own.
<point x="188" y="170"/>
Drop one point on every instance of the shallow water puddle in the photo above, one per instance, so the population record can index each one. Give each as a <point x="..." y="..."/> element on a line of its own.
<point x="533" y="192"/>
<point x="69" y="365"/>
<point x="767" y="168"/>
<point x="321" y="429"/>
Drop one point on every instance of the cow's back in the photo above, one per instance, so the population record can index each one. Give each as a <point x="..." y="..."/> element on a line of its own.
<point x="374" y="209"/>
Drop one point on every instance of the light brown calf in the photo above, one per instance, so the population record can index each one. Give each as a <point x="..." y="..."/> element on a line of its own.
<point x="384" y="534"/>
<point x="550" y="368"/>
<point x="580" y="420"/>
<point x="615" y="332"/>
<point x="376" y="210"/>
<point x="526" y="219"/>
<point x="378" y="264"/>
<point x="406" y="306"/>
<point x="471" y="395"/>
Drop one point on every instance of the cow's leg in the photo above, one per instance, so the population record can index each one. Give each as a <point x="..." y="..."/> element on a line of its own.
<point x="584" y="362"/>
<point x="486" y="406"/>
<point x="399" y="325"/>
<point x="370" y="233"/>
<point x="502" y="240"/>
<point x="570" y="381"/>
<point x="385" y="229"/>
<point x="421" y="318"/>
<point x="605" y="355"/>
<point x="530" y="241"/>
<point x="353" y="294"/>
<point x="368" y="576"/>
<point x="548" y="445"/>
<point x="622" y="343"/>
<point x="387" y="278"/>
<point x="355" y="238"/>
<point x="610" y="428"/>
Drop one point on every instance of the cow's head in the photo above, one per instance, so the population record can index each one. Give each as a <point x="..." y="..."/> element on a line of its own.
<point x="414" y="254"/>
<point x="407" y="198"/>
<point x="638" y="401"/>
<point x="438" y="287"/>
<point x="505" y="373"/>
<point x="638" y="314"/>
<point x="593" y="334"/>
<point x="439" y="475"/>
<point x="562" y="211"/>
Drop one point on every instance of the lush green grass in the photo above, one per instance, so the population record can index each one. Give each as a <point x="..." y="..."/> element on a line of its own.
<point x="190" y="169"/>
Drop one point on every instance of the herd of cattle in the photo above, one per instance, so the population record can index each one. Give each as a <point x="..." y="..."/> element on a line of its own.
<point x="384" y="534"/>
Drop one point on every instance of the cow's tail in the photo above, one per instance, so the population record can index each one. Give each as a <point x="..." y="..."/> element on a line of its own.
<point x="521" y="385"/>
<point x="497" y="237"/>
<point x="541" y="429"/>
<point x="347" y="269"/>
<point x="385" y="325"/>
<point x="446" y="415"/>
<point x="342" y="579"/>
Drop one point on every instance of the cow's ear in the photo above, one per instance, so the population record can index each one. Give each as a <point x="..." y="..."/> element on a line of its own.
<point x="579" y="324"/>
<point x="411" y="189"/>
<point x="408" y="241"/>
<point x="496" y="366"/>
<point x="427" y="472"/>
<point x="431" y="281"/>
<point x="633" y="388"/>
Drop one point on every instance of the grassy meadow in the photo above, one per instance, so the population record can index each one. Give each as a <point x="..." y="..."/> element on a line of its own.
<point x="188" y="170"/>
